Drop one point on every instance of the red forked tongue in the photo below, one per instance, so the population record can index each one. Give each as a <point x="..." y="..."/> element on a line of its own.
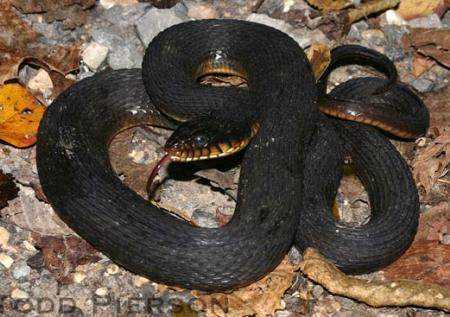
<point x="158" y="175"/>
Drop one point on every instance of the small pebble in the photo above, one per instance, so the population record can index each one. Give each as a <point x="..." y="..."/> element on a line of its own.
<point x="27" y="245"/>
<point x="94" y="55"/>
<point x="41" y="81"/>
<point x="139" y="281"/>
<point x="317" y="291"/>
<point x="421" y="142"/>
<point x="19" y="294"/>
<point x="423" y="85"/>
<point x="107" y="4"/>
<point x="6" y="260"/>
<point x="78" y="277"/>
<point x="112" y="269"/>
<point x="372" y="33"/>
<point x="432" y="21"/>
<point x="21" y="271"/>
<point x="202" y="11"/>
<point x="446" y="239"/>
<point x="294" y="256"/>
<point x="101" y="291"/>
<point x="4" y="237"/>
<point x="154" y="21"/>
<point x="392" y="17"/>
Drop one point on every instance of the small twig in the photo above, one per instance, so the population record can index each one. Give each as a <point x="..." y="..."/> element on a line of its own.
<point x="369" y="8"/>
<point x="257" y="5"/>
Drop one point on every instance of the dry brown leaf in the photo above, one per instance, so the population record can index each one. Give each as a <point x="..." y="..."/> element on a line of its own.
<point x="434" y="222"/>
<point x="421" y="64"/>
<point x="258" y="299"/>
<point x="19" y="44"/>
<point x="411" y="9"/>
<point x="370" y="7"/>
<point x="427" y="261"/>
<point x="319" y="56"/>
<point x="60" y="82"/>
<point x="430" y="164"/>
<point x="63" y="254"/>
<point x="71" y="12"/>
<point x="434" y="43"/>
<point x="39" y="6"/>
<point x="330" y="5"/>
<point x="438" y="105"/>
<point x="8" y="189"/>
<point x="374" y="293"/>
<point x="14" y="32"/>
<point x="335" y="24"/>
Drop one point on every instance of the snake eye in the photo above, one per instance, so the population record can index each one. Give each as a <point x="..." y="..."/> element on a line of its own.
<point x="201" y="140"/>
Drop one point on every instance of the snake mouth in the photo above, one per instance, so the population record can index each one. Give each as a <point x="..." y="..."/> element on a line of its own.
<point x="185" y="152"/>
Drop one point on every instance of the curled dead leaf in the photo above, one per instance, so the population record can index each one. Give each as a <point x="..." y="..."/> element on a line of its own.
<point x="20" y="114"/>
<point x="431" y="163"/>
<point x="433" y="43"/>
<point x="421" y="64"/>
<point x="258" y="299"/>
<point x="62" y="254"/>
<point x="411" y="9"/>
<point x="374" y="293"/>
<point x="319" y="56"/>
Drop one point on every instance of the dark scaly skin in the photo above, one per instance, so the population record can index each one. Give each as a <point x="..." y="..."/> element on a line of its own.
<point x="80" y="184"/>
<point x="383" y="103"/>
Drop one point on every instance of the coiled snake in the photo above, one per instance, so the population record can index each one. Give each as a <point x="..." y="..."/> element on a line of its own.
<point x="289" y="174"/>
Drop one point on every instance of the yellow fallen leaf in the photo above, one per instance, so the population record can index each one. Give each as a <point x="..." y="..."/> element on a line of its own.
<point x="411" y="9"/>
<point x="329" y="5"/>
<point x="20" y="114"/>
<point x="259" y="299"/>
<point x="319" y="57"/>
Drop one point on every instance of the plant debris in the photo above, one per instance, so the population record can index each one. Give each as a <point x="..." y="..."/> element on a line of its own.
<point x="72" y="12"/>
<point x="258" y="299"/>
<point x="19" y="44"/>
<point x="431" y="163"/>
<point x="20" y="115"/>
<point x="63" y="254"/>
<point x="411" y="9"/>
<point x="8" y="189"/>
<point x="432" y="43"/>
<point x="319" y="56"/>
<point x="374" y="293"/>
<point x="427" y="259"/>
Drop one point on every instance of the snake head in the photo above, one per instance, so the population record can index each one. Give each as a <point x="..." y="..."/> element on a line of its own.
<point x="208" y="137"/>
